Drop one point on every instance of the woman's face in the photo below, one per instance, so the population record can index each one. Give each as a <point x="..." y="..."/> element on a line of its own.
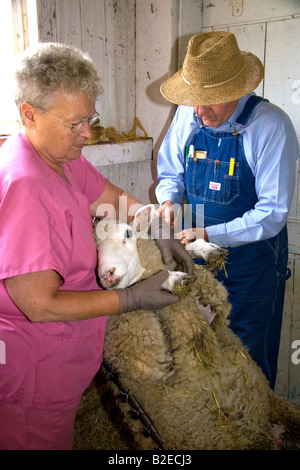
<point x="53" y="141"/>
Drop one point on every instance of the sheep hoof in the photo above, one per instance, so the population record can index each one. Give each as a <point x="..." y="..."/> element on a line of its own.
<point x="216" y="260"/>
<point x="179" y="283"/>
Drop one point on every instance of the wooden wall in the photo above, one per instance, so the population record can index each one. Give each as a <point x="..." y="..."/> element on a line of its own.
<point x="135" y="44"/>
<point x="106" y="30"/>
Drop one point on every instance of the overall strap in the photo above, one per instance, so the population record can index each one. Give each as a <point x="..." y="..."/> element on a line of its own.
<point x="251" y="103"/>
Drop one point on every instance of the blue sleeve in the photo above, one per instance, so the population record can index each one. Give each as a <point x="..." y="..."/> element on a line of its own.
<point x="171" y="156"/>
<point x="271" y="149"/>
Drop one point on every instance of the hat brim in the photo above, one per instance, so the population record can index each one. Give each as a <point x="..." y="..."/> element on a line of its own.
<point x="177" y="91"/>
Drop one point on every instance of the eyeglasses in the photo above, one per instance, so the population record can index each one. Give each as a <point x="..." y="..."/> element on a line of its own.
<point x="77" y="126"/>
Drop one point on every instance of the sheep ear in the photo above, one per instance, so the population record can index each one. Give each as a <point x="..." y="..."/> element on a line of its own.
<point x="102" y="229"/>
<point x="143" y="219"/>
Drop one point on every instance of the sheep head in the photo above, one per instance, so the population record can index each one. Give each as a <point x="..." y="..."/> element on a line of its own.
<point x="127" y="254"/>
<point x="119" y="262"/>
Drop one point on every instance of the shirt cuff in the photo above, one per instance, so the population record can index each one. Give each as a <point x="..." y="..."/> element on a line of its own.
<point x="175" y="198"/>
<point x="217" y="234"/>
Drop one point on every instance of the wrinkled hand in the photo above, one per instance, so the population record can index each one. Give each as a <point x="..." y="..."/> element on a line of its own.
<point x="191" y="234"/>
<point x="146" y="295"/>
<point x="171" y="248"/>
<point x="168" y="212"/>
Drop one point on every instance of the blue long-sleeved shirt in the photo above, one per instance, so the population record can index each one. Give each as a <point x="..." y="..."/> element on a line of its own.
<point x="271" y="149"/>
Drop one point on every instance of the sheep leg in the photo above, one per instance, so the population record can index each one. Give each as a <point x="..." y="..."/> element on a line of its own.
<point x="205" y="250"/>
<point x="175" y="279"/>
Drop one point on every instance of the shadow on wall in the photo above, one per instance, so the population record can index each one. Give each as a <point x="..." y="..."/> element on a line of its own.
<point x="177" y="54"/>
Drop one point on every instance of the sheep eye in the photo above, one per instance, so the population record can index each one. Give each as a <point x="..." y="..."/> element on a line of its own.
<point x="128" y="234"/>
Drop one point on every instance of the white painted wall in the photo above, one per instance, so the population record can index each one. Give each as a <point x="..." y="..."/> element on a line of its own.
<point x="135" y="45"/>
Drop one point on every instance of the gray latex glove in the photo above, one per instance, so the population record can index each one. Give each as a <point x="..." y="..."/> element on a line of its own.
<point x="146" y="295"/>
<point x="171" y="248"/>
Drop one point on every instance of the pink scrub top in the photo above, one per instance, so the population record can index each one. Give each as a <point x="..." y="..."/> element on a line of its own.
<point x="45" y="224"/>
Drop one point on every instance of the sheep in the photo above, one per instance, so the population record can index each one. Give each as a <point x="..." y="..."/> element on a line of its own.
<point x="183" y="365"/>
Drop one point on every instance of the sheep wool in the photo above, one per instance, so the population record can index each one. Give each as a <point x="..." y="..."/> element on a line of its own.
<point x="191" y="374"/>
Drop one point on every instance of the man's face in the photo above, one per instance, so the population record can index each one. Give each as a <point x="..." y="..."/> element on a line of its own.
<point x="216" y="114"/>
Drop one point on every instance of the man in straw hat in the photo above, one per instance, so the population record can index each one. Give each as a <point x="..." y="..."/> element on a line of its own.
<point x="234" y="153"/>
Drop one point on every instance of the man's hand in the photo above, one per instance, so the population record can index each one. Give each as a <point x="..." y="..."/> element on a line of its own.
<point x="191" y="234"/>
<point x="167" y="212"/>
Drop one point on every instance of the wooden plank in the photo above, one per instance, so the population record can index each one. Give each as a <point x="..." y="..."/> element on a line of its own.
<point x="47" y="25"/>
<point x="228" y="12"/>
<point x="297" y="195"/>
<point x="296" y="198"/>
<point x="135" y="178"/>
<point x="32" y="22"/>
<point x="106" y="30"/>
<point x="190" y="23"/>
<point x="8" y="110"/>
<point x="20" y="25"/>
<point x="68" y="17"/>
<point x="93" y="42"/>
<point x="294" y="236"/>
<point x="120" y="59"/>
<point x="282" y="66"/>
<point x="288" y="371"/>
<point x="294" y="380"/>
<point x="283" y="366"/>
<point x="156" y="60"/>
<point x="251" y="38"/>
<point x="108" y="154"/>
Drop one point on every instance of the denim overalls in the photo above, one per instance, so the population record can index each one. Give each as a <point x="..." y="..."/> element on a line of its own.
<point x="256" y="272"/>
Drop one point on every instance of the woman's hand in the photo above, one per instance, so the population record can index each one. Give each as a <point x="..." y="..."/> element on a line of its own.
<point x="146" y="295"/>
<point x="170" y="247"/>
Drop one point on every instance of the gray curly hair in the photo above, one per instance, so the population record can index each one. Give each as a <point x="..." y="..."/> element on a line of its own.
<point x="51" y="67"/>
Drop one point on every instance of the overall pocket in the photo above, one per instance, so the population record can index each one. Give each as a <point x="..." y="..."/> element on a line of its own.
<point x="210" y="181"/>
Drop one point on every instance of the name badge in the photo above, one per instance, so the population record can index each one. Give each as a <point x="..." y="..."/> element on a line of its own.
<point x="214" y="186"/>
<point x="200" y="154"/>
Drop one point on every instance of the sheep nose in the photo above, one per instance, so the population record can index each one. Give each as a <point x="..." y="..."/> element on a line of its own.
<point x="108" y="278"/>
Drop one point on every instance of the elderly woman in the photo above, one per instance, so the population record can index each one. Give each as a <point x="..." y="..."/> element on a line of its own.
<point x="52" y="310"/>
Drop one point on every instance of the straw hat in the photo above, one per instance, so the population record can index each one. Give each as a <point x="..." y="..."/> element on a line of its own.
<point x="214" y="71"/>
